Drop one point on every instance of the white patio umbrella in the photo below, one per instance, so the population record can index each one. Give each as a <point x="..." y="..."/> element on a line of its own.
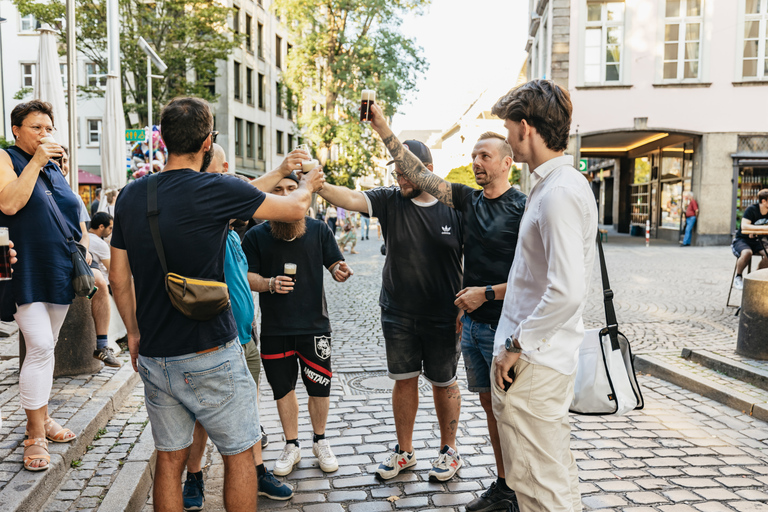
<point x="48" y="86"/>
<point x="112" y="138"/>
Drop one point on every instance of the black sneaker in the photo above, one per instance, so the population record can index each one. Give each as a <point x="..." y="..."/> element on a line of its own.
<point x="264" y="438"/>
<point x="194" y="495"/>
<point x="494" y="499"/>
<point x="273" y="488"/>
<point x="105" y="354"/>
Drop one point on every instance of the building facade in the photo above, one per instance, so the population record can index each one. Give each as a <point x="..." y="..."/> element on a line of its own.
<point x="668" y="96"/>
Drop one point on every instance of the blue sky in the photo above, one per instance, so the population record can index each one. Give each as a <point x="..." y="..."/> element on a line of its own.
<point x="469" y="45"/>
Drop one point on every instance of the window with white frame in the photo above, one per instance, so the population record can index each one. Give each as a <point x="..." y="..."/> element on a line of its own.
<point x="682" y="39"/>
<point x="27" y="75"/>
<point x="604" y="42"/>
<point x="754" y="61"/>
<point x="95" y="75"/>
<point x="28" y="23"/>
<point x="94" y="132"/>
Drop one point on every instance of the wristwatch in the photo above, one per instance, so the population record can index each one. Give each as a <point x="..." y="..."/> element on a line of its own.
<point x="509" y="345"/>
<point x="489" y="293"/>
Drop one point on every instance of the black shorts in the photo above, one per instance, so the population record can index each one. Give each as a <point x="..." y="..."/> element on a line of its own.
<point x="412" y="344"/>
<point x="282" y="356"/>
<point x="740" y="244"/>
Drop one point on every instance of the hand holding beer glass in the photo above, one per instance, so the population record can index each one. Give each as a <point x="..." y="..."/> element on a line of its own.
<point x="7" y="255"/>
<point x="284" y="284"/>
<point x="50" y="150"/>
<point x="368" y="99"/>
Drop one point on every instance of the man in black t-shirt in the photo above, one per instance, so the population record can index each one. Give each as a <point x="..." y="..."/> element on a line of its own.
<point x="491" y="221"/>
<point x="744" y="246"/>
<point x="295" y="329"/>
<point x="421" y="276"/>
<point x="191" y="370"/>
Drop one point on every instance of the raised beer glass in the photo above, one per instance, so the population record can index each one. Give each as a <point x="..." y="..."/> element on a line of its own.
<point x="368" y="99"/>
<point x="289" y="269"/>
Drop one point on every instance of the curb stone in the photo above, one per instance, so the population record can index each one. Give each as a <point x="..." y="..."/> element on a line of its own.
<point x="29" y="490"/>
<point x="130" y="489"/>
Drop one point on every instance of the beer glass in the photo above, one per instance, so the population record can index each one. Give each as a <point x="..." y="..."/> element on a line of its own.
<point x="5" y="255"/>
<point x="368" y="99"/>
<point x="308" y="165"/>
<point x="289" y="269"/>
<point x="48" y="139"/>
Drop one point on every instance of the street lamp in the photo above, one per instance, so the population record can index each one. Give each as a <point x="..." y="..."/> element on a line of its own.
<point x="152" y="57"/>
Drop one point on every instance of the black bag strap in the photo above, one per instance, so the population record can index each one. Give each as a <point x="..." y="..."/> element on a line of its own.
<point x="610" y="313"/>
<point x="152" y="215"/>
<point x="43" y="183"/>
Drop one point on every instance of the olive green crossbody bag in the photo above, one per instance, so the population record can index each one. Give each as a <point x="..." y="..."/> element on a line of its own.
<point x="196" y="298"/>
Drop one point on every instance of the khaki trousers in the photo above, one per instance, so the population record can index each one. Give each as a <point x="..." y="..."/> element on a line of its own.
<point x="532" y="418"/>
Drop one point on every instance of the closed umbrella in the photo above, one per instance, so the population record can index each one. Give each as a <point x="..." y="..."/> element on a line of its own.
<point x="113" y="150"/>
<point x="48" y="86"/>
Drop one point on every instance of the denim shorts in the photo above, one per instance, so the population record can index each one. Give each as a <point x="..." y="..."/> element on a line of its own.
<point x="214" y="388"/>
<point x="477" y="348"/>
<point x="411" y="343"/>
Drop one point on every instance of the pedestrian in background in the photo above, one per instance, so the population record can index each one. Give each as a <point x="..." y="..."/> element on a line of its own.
<point x="541" y="327"/>
<point x="331" y="216"/>
<point x="691" y="213"/>
<point x="41" y="289"/>
<point x="101" y="308"/>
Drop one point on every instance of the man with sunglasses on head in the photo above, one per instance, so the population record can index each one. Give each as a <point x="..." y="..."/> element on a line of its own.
<point x="421" y="276"/>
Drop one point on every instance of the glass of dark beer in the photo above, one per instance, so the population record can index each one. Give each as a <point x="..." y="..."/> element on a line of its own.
<point x="5" y="255"/>
<point x="290" y="271"/>
<point x="368" y="99"/>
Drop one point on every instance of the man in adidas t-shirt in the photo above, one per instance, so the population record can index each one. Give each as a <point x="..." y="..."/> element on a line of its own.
<point x="422" y="274"/>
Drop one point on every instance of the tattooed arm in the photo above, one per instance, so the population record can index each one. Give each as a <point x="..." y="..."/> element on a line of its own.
<point x="411" y="166"/>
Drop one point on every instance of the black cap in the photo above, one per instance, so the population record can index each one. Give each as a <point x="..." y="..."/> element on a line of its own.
<point x="419" y="149"/>
<point x="293" y="176"/>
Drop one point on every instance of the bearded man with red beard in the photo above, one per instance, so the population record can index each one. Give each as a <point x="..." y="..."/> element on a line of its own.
<point x="295" y="328"/>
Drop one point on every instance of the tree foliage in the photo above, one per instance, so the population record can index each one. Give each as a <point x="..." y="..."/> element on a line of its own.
<point x="190" y="36"/>
<point x="341" y="47"/>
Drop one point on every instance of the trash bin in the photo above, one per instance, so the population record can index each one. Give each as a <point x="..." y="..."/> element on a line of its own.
<point x="752" y="341"/>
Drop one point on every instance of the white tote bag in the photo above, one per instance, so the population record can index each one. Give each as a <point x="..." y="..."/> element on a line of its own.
<point x="605" y="376"/>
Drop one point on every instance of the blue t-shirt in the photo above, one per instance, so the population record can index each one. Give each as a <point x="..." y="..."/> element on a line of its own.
<point x="236" y="277"/>
<point x="195" y="209"/>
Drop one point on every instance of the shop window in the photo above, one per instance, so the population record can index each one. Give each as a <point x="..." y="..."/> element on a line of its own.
<point x="754" y="63"/>
<point x="604" y="42"/>
<point x="682" y="39"/>
<point x="671" y="204"/>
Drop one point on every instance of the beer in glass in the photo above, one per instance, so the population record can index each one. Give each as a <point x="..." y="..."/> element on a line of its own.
<point x="308" y="165"/>
<point x="289" y="269"/>
<point x="5" y="255"/>
<point x="369" y="97"/>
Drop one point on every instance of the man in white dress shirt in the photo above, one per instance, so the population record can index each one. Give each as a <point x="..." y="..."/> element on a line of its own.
<point x="540" y="330"/>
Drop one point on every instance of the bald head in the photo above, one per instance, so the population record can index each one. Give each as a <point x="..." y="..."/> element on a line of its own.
<point x="219" y="163"/>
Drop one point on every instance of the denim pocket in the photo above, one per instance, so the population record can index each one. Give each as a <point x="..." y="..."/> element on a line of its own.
<point x="214" y="387"/>
<point x="150" y="390"/>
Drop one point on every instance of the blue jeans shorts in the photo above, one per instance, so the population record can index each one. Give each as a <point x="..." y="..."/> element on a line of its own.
<point x="413" y="343"/>
<point x="477" y="348"/>
<point x="214" y="388"/>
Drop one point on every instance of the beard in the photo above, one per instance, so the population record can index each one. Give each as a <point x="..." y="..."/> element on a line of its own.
<point x="207" y="159"/>
<point x="413" y="193"/>
<point x="288" y="230"/>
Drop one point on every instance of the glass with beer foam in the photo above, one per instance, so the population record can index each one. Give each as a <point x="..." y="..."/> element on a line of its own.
<point x="289" y="269"/>
<point x="5" y="255"/>
<point x="368" y="99"/>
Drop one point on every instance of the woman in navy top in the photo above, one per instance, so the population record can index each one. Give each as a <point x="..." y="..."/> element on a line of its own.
<point x="41" y="290"/>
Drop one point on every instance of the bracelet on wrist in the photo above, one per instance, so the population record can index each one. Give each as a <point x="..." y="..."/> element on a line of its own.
<point x="271" y="285"/>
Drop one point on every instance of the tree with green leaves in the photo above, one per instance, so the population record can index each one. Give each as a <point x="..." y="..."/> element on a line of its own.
<point x="189" y="35"/>
<point x="341" y="47"/>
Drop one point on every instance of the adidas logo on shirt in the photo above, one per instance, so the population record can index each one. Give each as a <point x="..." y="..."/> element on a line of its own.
<point x="447" y="230"/>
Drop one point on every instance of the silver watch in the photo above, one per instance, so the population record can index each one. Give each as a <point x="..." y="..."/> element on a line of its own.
<point x="509" y="345"/>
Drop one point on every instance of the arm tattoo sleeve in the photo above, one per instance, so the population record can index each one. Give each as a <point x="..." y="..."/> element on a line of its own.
<point x="419" y="175"/>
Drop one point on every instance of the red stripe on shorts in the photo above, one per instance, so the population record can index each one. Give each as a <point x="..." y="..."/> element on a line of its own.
<point x="279" y="356"/>
<point x="316" y="366"/>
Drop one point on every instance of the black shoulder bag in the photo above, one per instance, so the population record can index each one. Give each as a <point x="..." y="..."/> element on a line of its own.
<point x="196" y="298"/>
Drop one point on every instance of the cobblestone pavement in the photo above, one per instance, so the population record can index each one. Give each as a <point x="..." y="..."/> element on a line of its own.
<point x="682" y="453"/>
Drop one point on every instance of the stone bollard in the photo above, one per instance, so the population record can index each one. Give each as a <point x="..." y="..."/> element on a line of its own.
<point x="753" y="321"/>
<point x="77" y="341"/>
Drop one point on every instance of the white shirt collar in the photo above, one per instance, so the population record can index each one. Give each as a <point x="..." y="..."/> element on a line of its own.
<point x="547" y="167"/>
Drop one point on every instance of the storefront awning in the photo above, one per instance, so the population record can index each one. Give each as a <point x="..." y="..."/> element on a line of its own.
<point x="86" y="178"/>
<point x="618" y="143"/>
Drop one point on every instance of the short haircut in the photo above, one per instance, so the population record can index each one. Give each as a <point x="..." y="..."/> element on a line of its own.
<point x="100" y="219"/>
<point x="544" y="105"/>
<point x="22" y="110"/>
<point x="185" y="123"/>
<point x="506" y="149"/>
<point x="762" y="195"/>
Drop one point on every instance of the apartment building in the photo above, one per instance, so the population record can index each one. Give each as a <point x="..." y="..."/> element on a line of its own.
<point x="669" y="96"/>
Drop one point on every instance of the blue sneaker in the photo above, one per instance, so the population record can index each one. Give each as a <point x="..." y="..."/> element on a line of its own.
<point x="194" y="493"/>
<point x="273" y="488"/>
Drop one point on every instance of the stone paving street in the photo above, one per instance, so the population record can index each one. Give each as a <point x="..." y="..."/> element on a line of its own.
<point x="682" y="453"/>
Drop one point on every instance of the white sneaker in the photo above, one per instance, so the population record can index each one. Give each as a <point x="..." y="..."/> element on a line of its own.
<point x="326" y="458"/>
<point x="396" y="462"/>
<point x="738" y="282"/>
<point x="448" y="463"/>
<point x="289" y="457"/>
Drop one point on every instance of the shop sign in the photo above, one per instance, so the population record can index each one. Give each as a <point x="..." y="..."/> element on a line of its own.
<point x="583" y="165"/>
